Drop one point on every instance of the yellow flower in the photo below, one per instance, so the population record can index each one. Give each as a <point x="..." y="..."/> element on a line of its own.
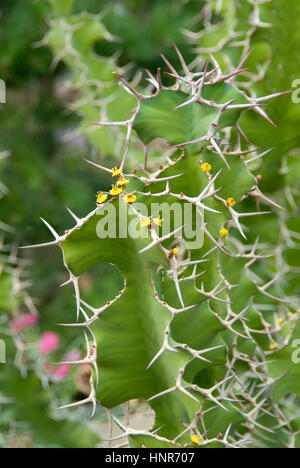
<point x="122" y="182"/>
<point x="273" y="346"/>
<point x="224" y="233"/>
<point x="280" y="320"/>
<point x="145" y="222"/>
<point x="196" y="439"/>
<point x="175" y="251"/>
<point x="130" y="198"/>
<point x="101" y="197"/>
<point x="116" y="172"/>
<point x="157" y="221"/>
<point x="115" y="190"/>
<point x="230" y="201"/>
<point x="206" y="167"/>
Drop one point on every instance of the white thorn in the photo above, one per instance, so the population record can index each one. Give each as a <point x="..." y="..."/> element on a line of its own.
<point x="51" y="229"/>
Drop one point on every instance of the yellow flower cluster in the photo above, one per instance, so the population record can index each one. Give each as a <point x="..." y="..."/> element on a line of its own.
<point x="117" y="188"/>
<point x="101" y="197"/>
<point x="145" y="222"/>
<point x="230" y="201"/>
<point x="206" y="167"/>
<point x="224" y="233"/>
<point x="157" y="221"/>
<point x="130" y="198"/>
<point x="116" y="172"/>
<point x="122" y="182"/>
<point x="196" y="439"/>
<point x="175" y="251"/>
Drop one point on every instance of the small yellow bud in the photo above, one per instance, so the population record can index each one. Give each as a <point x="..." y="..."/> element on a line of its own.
<point x="224" y="233"/>
<point x="101" y="197"/>
<point x="157" y="221"/>
<point x="145" y="222"/>
<point x="130" y="198"/>
<point x="273" y="346"/>
<point x="116" y="171"/>
<point x="122" y="182"/>
<point x="230" y="201"/>
<point x="115" y="190"/>
<point x="206" y="167"/>
<point x="196" y="439"/>
<point x="175" y="250"/>
<point x="280" y="320"/>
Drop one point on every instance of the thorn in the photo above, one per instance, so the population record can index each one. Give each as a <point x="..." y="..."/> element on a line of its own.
<point x="175" y="277"/>
<point x="51" y="229"/>
<point x="233" y="74"/>
<point x="249" y="161"/>
<point x="159" y="79"/>
<point x="69" y="281"/>
<point x="161" y="239"/>
<point x="118" y="423"/>
<point x="128" y="87"/>
<point x="206" y="189"/>
<point x="98" y="166"/>
<point x="169" y="65"/>
<point x="264" y="115"/>
<point x="272" y="96"/>
<point x="181" y="59"/>
<point x="110" y="124"/>
<point x="215" y="145"/>
<point x="244" y="215"/>
<point x="187" y="143"/>
<point x="37" y="246"/>
<point x="159" y="353"/>
<point x="73" y="215"/>
<point x="163" y="179"/>
<point x="79" y="403"/>
<point x="217" y="66"/>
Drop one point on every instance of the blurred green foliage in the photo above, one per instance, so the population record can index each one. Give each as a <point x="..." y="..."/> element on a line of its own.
<point x="45" y="172"/>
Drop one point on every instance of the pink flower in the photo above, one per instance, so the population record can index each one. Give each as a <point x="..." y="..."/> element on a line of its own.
<point x="62" y="371"/>
<point x="48" y="342"/>
<point x="59" y="372"/>
<point x="25" y="321"/>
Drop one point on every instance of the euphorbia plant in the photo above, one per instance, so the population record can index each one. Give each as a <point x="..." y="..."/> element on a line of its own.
<point x="194" y="329"/>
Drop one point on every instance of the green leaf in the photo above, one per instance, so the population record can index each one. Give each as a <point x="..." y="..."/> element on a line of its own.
<point x="159" y="118"/>
<point x="287" y="366"/>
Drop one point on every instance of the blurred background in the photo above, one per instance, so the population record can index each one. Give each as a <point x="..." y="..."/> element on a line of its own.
<point x="48" y="50"/>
